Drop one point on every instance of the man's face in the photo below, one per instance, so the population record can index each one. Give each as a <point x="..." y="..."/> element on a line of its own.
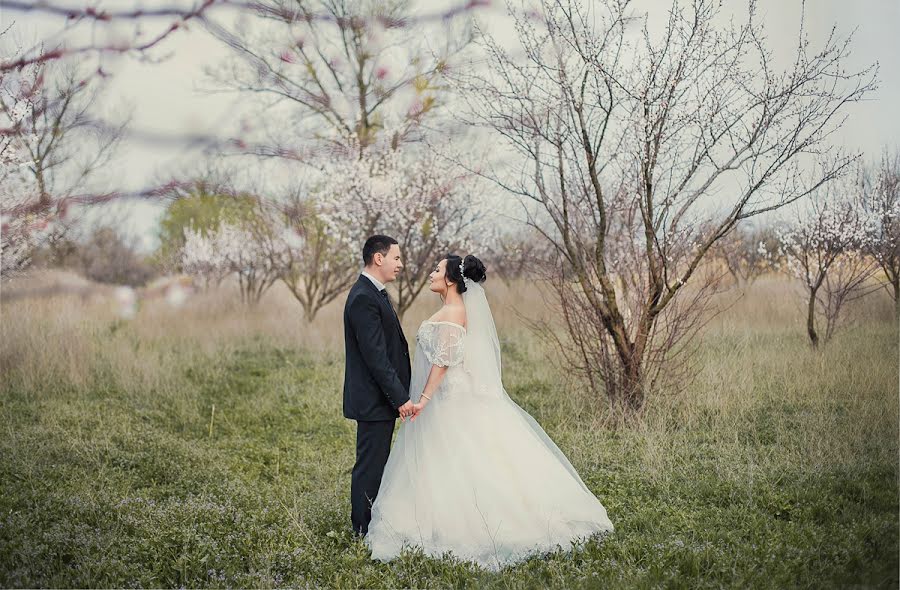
<point x="391" y="264"/>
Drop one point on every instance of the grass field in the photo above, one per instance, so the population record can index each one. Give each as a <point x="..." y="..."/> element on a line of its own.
<point x="205" y="447"/>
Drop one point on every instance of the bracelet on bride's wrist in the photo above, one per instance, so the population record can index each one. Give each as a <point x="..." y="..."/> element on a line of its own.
<point x="426" y="397"/>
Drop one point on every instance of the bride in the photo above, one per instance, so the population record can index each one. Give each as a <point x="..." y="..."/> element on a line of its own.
<point x="472" y="473"/>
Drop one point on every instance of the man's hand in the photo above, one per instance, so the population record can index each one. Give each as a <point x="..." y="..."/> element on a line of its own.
<point x="406" y="410"/>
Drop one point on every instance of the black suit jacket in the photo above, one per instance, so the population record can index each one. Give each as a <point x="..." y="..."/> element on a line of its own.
<point x="377" y="371"/>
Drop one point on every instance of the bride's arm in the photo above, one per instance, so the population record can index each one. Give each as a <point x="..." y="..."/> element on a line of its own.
<point x="431" y="386"/>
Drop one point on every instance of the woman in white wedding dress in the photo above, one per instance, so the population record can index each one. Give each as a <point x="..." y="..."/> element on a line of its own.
<point x="472" y="473"/>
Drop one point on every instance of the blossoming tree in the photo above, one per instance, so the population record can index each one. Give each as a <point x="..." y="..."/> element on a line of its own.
<point x="246" y="248"/>
<point x="880" y="199"/>
<point x="643" y="147"/>
<point x="48" y="153"/>
<point x="421" y="201"/>
<point x="315" y="265"/>
<point x="826" y="248"/>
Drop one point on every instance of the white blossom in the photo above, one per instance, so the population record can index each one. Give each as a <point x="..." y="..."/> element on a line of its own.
<point x="234" y="248"/>
<point x="23" y="225"/>
<point x="126" y="301"/>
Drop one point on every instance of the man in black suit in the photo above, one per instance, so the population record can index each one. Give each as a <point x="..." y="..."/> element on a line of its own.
<point x="376" y="374"/>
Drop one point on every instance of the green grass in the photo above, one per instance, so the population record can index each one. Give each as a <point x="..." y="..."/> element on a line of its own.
<point x="777" y="468"/>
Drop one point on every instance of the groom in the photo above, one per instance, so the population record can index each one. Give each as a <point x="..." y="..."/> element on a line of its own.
<point x="376" y="374"/>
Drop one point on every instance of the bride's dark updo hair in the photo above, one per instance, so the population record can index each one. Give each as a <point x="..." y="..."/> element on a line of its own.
<point x="473" y="269"/>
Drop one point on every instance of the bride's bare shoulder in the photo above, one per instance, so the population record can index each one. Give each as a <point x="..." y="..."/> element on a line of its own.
<point x="451" y="313"/>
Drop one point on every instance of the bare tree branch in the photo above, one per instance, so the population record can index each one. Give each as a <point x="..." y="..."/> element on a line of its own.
<point x="644" y="150"/>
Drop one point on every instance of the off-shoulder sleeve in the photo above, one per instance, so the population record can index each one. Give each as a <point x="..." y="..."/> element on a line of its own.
<point x="444" y="345"/>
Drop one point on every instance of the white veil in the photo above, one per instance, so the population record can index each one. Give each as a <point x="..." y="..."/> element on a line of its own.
<point x="482" y="350"/>
<point x="481" y="359"/>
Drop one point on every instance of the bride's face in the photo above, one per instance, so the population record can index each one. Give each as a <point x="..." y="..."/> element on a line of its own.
<point x="437" y="278"/>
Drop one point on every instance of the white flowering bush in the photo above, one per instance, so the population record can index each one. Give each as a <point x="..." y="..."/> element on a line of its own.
<point x="245" y="249"/>
<point x="201" y="258"/>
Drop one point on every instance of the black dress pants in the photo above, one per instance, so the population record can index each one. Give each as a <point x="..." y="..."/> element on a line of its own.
<point x="373" y="444"/>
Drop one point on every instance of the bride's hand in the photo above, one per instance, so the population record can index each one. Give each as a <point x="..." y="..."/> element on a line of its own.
<point x="416" y="409"/>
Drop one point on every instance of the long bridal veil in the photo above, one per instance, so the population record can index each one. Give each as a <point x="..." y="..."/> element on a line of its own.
<point x="481" y="358"/>
<point x="482" y="361"/>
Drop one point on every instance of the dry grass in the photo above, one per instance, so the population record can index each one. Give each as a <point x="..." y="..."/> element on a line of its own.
<point x="757" y="338"/>
<point x="65" y="338"/>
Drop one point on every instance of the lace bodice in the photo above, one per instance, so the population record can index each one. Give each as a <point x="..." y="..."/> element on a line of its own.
<point x="441" y="342"/>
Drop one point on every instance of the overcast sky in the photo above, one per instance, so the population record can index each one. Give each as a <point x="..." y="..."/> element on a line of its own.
<point x="167" y="97"/>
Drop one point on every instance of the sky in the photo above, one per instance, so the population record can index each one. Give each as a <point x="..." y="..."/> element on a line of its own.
<point x="170" y="97"/>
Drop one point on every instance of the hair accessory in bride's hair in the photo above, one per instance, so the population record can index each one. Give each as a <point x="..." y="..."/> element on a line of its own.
<point x="462" y="273"/>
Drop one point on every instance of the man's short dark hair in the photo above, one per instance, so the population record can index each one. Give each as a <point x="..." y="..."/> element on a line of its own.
<point x="376" y="244"/>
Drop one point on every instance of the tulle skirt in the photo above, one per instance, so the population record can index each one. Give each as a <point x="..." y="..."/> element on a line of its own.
<point x="477" y="477"/>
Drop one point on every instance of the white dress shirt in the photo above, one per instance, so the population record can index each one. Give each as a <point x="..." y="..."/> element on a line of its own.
<point x="378" y="284"/>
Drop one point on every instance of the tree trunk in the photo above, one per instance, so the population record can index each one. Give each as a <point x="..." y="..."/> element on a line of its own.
<point x="895" y="283"/>
<point x="633" y="387"/>
<point x="811" y="318"/>
<point x="631" y="375"/>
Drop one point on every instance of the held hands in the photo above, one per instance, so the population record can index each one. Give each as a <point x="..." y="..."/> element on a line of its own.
<point x="411" y="410"/>
<point x="408" y="410"/>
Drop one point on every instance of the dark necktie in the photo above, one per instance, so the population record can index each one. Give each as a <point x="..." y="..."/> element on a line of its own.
<point x="387" y="298"/>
